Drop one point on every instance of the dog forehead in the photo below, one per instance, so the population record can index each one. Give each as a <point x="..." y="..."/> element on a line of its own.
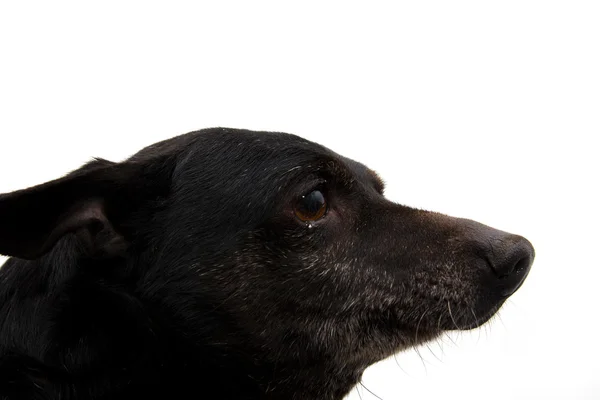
<point x="270" y="155"/>
<point x="215" y="140"/>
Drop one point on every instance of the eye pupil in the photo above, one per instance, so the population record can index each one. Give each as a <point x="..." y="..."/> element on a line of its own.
<point x="314" y="201"/>
<point x="311" y="207"/>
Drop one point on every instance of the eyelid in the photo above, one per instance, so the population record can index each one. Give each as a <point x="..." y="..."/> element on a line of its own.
<point x="310" y="186"/>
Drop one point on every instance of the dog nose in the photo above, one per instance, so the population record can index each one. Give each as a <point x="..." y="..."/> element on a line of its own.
<point x="511" y="259"/>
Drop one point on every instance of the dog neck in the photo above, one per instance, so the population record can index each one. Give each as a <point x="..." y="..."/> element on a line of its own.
<point x="123" y="346"/>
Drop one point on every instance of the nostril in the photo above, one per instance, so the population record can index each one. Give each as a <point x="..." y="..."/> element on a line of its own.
<point x="512" y="255"/>
<point x="522" y="265"/>
<point x="514" y="269"/>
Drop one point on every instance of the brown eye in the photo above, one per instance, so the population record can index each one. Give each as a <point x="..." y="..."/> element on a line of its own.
<point x="311" y="207"/>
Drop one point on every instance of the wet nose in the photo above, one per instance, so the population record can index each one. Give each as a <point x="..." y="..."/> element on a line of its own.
<point x="508" y="257"/>
<point x="511" y="259"/>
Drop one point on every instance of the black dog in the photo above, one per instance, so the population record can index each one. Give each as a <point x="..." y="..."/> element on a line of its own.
<point x="228" y="264"/>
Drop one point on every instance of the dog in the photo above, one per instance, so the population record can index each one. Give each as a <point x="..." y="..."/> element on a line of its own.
<point x="231" y="264"/>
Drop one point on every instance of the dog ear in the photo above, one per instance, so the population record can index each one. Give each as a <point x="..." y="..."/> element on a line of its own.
<point x="94" y="201"/>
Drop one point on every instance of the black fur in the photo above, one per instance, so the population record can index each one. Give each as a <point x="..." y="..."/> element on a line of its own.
<point x="184" y="272"/>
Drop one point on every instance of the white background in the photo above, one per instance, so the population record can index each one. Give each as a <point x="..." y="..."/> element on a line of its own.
<point x="484" y="110"/>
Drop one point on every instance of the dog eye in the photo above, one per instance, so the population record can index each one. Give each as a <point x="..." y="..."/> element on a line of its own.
<point x="311" y="207"/>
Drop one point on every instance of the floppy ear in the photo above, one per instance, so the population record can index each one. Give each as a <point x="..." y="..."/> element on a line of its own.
<point x="93" y="201"/>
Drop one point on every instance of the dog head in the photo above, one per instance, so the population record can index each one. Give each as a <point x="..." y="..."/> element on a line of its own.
<point x="274" y="245"/>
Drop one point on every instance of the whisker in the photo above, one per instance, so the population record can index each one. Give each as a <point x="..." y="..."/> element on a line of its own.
<point x="500" y="319"/>
<point x="435" y="355"/>
<point x="451" y="317"/>
<point x="475" y="323"/>
<point x="439" y="322"/>
<point x="439" y="339"/>
<point x="361" y="384"/>
<point x="417" y="340"/>
<point x="418" y="324"/>
<point x="422" y="359"/>
<point x="452" y="340"/>
<point x="440" y="344"/>
<point x="398" y="364"/>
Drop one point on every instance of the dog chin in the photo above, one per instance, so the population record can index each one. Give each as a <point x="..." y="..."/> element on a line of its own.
<point x="478" y="320"/>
